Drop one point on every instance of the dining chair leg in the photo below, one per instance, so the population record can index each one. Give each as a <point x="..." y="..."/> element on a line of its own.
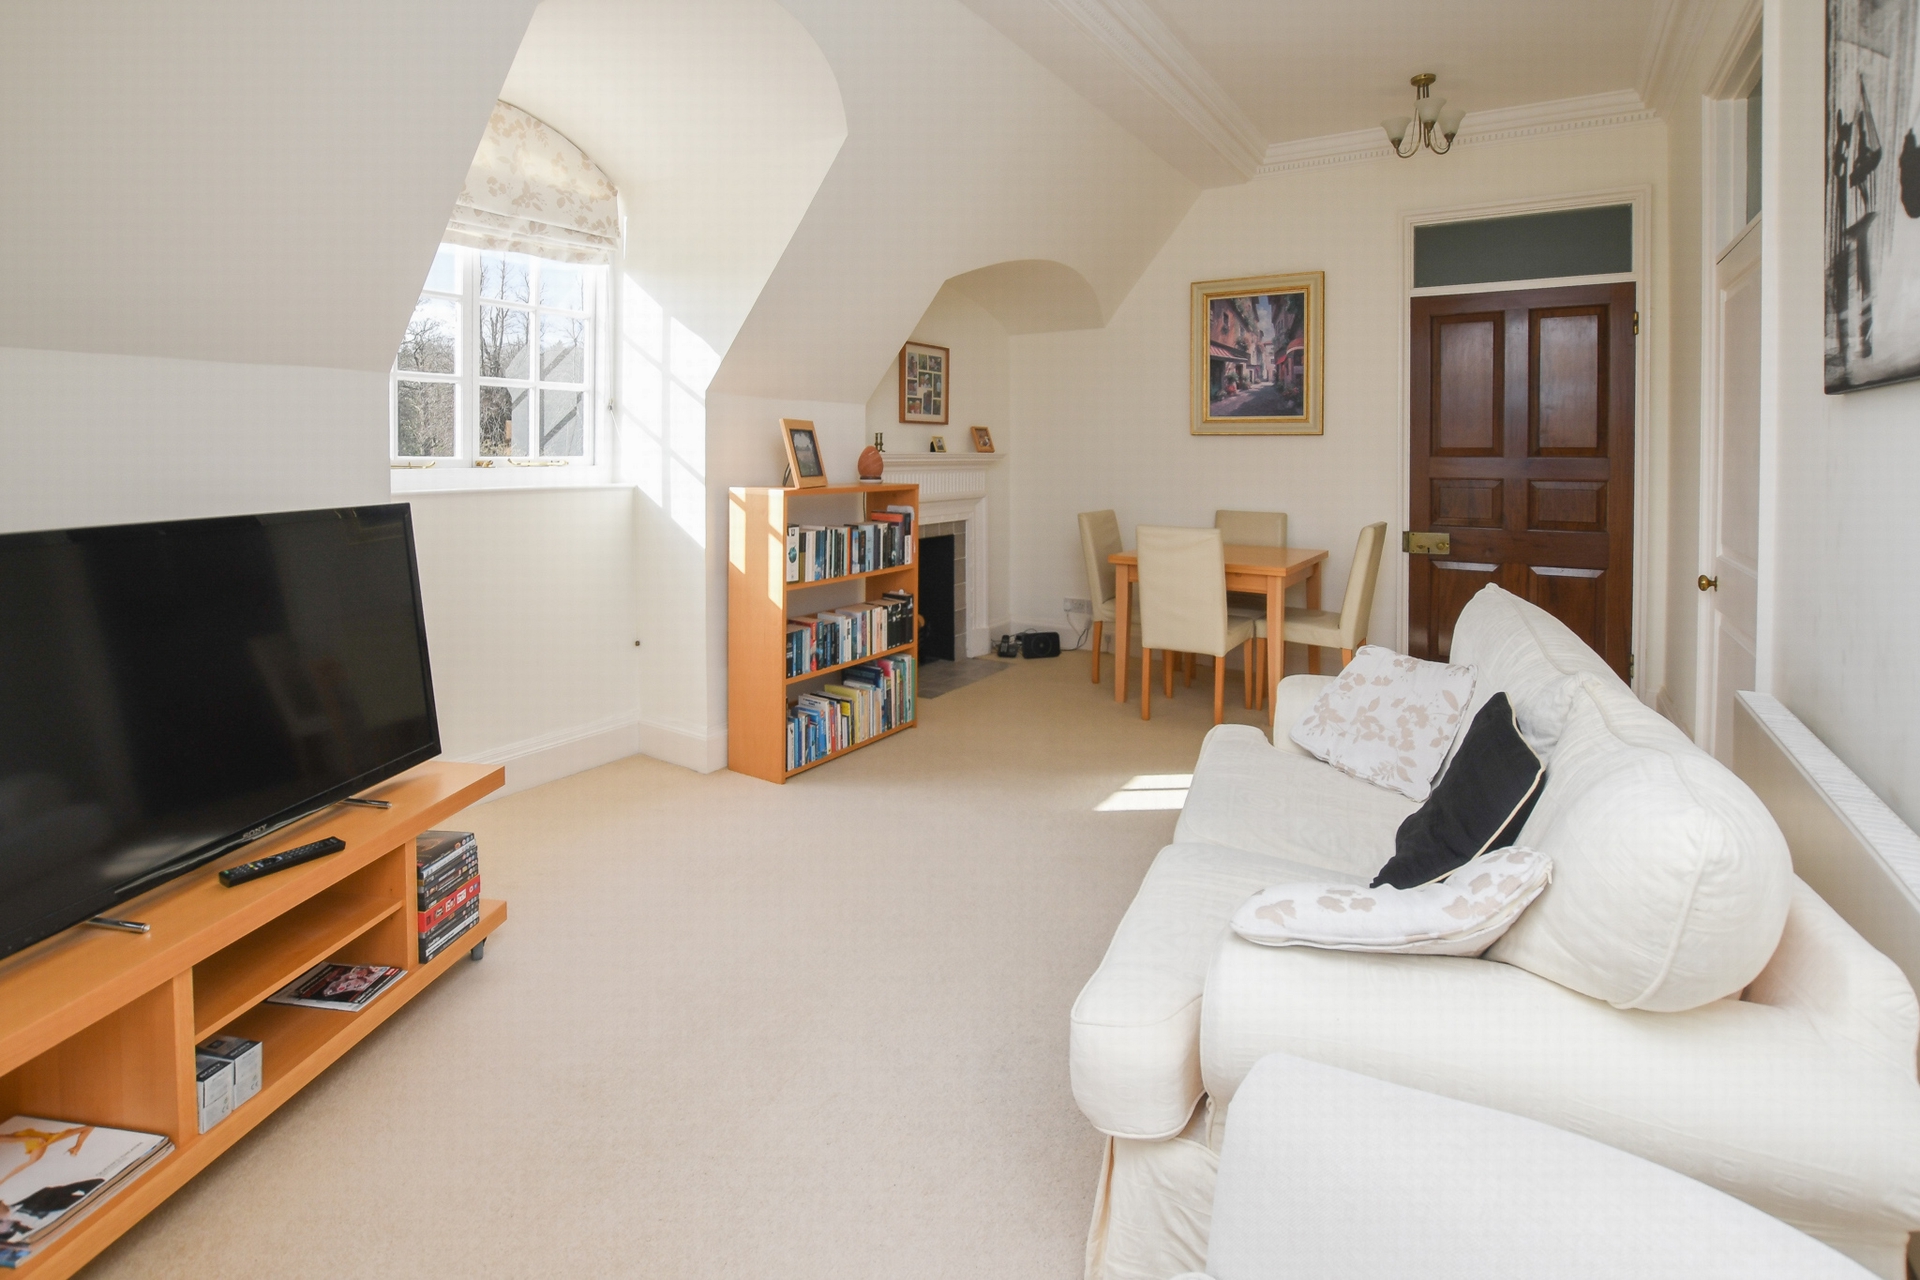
<point x="1250" y="665"/>
<point x="1313" y="659"/>
<point x="1166" y="670"/>
<point x="1146" y="682"/>
<point x="1190" y="662"/>
<point x="1097" y="625"/>
<point x="1260" y="656"/>
<point x="1219" y="687"/>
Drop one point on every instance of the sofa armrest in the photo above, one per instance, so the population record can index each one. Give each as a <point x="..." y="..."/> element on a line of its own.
<point x="1833" y="977"/>
<point x="1291" y="698"/>
<point x="1745" y="1097"/>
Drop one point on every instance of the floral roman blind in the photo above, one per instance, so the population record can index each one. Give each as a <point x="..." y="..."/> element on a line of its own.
<point x="532" y="191"/>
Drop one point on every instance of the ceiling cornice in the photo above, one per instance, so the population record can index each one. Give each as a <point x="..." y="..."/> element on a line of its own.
<point x="1501" y="124"/>
<point x="1167" y="69"/>
<point x="1672" y="43"/>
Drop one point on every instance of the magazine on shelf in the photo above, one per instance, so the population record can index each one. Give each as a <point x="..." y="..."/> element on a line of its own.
<point x="55" y="1172"/>
<point x="346" y="987"/>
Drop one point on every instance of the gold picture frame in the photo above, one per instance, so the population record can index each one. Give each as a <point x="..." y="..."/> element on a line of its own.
<point x="805" y="467"/>
<point x="926" y="384"/>
<point x="982" y="440"/>
<point x="1255" y="363"/>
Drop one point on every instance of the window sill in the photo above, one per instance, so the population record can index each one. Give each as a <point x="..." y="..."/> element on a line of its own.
<point x="499" y="480"/>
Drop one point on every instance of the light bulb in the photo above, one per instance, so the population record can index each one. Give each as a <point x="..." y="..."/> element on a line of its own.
<point x="1396" y="127"/>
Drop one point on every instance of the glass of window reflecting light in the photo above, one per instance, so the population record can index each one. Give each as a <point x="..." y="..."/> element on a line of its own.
<point x="503" y="342"/>
<point x="433" y="335"/>
<point x="561" y="424"/>
<point x="444" y="277"/>
<point x="561" y="286"/>
<point x="505" y="428"/>
<point x="563" y="356"/>
<point x="506" y="276"/>
<point x="425" y="412"/>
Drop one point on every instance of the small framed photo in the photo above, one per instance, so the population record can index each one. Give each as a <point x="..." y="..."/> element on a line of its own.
<point x="804" y="468"/>
<point x="936" y="444"/>
<point x="924" y="384"/>
<point x="1256" y="355"/>
<point x="982" y="440"/>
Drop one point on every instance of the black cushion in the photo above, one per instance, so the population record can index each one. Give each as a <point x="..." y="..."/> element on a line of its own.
<point x="1480" y="804"/>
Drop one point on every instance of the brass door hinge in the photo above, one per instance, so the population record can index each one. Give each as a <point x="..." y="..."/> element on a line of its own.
<point x="1426" y="544"/>
<point x="1629" y="666"/>
<point x="1636" y="324"/>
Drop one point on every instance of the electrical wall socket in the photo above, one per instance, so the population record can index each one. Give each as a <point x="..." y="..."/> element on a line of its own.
<point x="1072" y="605"/>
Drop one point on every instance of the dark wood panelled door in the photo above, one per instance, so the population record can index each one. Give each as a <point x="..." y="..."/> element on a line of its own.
<point x="1522" y="453"/>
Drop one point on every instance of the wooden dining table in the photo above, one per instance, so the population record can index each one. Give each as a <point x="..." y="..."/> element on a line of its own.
<point x="1266" y="571"/>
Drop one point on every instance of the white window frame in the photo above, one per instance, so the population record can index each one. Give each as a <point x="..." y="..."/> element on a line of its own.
<point x="467" y="467"/>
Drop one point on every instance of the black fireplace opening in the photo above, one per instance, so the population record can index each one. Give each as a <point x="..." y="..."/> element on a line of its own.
<point x="936" y="598"/>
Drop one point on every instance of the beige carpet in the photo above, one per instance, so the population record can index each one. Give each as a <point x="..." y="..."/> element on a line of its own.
<point x="738" y="1030"/>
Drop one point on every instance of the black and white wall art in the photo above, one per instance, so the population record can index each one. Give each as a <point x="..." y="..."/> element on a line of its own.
<point x="1873" y="193"/>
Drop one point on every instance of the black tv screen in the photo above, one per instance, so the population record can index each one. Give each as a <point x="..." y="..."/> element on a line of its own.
<point x="170" y="691"/>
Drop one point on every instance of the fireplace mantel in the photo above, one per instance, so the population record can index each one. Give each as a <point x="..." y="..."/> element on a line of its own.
<point x="953" y="487"/>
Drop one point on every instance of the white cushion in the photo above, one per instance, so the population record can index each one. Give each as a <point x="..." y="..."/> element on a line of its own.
<point x="1460" y="915"/>
<point x="1326" y="1172"/>
<point x="1388" y="719"/>
<point x="1671" y="881"/>
<point x="1248" y="794"/>
<point x="1749" y="1098"/>
<point x="1522" y="650"/>
<point x="1134" y="1046"/>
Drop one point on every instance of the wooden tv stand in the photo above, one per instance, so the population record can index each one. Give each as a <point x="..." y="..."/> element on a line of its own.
<point x="100" y="1026"/>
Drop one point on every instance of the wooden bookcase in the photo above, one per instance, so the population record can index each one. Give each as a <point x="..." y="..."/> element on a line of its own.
<point x="760" y="600"/>
<point x="100" y="1027"/>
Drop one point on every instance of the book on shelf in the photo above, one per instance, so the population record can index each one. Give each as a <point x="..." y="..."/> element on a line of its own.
<point x="866" y="701"/>
<point x="53" y="1173"/>
<point x="816" y="552"/>
<point x="849" y="633"/>
<point x="449" y="888"/>
<point x="348" y="988"/>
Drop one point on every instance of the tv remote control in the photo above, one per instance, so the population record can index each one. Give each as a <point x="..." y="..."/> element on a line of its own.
<point x="281" y="861"/>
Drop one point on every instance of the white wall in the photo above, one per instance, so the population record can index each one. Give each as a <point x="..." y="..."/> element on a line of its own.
<point x="1840" y="480"/>
<point x="979" y="388"/>
<point x="1101" y="415"/>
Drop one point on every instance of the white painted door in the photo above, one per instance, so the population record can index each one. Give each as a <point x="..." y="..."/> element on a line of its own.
<point x="1729" y="587"/>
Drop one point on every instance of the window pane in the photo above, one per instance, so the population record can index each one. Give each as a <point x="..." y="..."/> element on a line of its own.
<point x="445" y="275"/>
<point x="503" y="342"/>
<point x="562" y="421"/>
<point x="560" y="286"/>
<point x="505" y="276"/>
<point x="504" y="426"/>
<point x="563" y="351"/>
<point x="426" y="419"/>
<point x="432" y="335"/>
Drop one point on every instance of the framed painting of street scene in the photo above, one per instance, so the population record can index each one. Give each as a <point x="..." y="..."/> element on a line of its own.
<point x="1256" y="355"/>
<point x="1873" y="193"/>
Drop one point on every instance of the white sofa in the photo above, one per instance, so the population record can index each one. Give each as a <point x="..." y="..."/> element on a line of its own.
<point x="1763" y="1047"/>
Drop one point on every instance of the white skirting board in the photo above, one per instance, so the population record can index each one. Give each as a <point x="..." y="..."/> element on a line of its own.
<point x="533" y="761"/>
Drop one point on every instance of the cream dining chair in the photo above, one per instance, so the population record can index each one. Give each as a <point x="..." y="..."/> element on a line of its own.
<point x="1100" y="538"/>
<point x="1250" y="529"/>
<point x="1346" y="630"/>
<point x="1183" y="608"/>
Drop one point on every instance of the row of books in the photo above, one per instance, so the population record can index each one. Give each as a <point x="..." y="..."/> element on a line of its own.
<point x="868" y="700"/>
<point x="834" y="636"/>
<point x="449" y="876"/>
<point x="53" y="1173"/>
<point x="816" y="552"/>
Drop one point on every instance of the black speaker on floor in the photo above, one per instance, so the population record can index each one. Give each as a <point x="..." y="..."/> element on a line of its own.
<point x="1040" y="644"/>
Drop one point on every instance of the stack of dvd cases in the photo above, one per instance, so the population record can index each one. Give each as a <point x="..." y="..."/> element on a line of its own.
<point x="449" y="863"/>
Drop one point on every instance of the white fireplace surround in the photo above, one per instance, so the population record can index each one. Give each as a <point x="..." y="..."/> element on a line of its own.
<point x="953" y="487"/>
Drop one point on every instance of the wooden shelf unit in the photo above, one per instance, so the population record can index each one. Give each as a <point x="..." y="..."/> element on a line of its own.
<point x="100" y="1027"/>
<point x="760" y="600"/>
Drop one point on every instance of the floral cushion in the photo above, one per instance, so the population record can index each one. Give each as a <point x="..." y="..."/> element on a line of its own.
<point x="1462" y="915"/>
<point x="1389" y="719"/>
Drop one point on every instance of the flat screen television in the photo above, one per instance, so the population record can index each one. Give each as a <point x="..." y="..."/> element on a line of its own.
<point x="171" y="691"/>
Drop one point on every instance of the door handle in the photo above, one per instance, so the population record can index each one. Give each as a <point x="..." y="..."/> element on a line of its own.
<point x="1426" y="544"/>
<point x="1709" y="584"/>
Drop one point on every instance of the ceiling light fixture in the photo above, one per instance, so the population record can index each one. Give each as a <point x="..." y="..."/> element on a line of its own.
<point x="1437" y="123"/>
